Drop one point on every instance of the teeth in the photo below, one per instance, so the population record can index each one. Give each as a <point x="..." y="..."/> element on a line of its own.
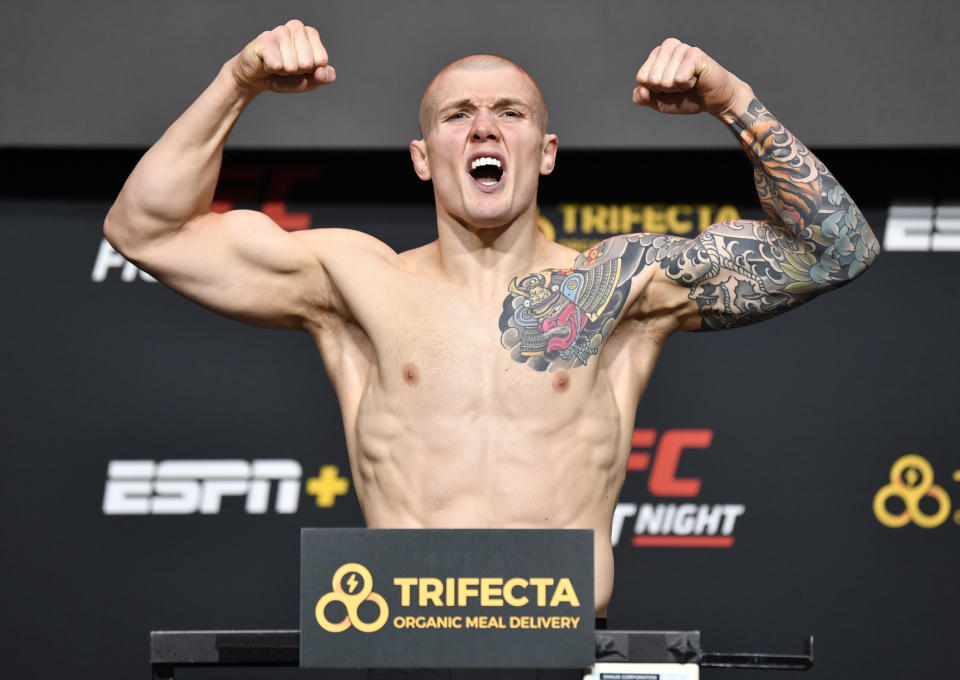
<point x="486" y="160"/>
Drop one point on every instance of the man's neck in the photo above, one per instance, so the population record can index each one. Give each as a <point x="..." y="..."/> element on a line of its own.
<point x="486" y="256"/>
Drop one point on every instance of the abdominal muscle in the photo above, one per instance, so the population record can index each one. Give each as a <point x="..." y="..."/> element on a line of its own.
<point x="520" y="458"/>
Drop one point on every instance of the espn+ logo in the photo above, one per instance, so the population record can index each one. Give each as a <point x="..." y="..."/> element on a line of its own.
<point x="912" y="487"/>
<point x="922" y="227"/>
<point x="185" y="487"/>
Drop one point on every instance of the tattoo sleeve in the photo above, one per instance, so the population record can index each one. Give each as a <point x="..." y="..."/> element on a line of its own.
<point x="738" y="272"/>
<point x="816" y="238"/>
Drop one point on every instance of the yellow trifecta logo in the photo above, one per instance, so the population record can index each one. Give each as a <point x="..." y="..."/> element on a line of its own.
<point x="491" y="591"/>
<point x="581" y="225"/>
<point x="352" y="585"/>
<point x="351" y="599"/>
<point x="911" y="479"/>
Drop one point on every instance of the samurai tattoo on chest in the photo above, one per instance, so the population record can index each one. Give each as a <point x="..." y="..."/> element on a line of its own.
<point x="559" y="318"/>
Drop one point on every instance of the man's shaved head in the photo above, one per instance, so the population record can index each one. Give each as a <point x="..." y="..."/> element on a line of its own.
<point x="477" y="62"/>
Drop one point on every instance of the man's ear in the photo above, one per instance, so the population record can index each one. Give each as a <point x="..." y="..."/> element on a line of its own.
<point x="418" y="154"/>
<point x="548" y="157"/>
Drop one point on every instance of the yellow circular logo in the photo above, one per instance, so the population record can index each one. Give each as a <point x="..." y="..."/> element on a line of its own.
<point x="351" y="598"/>
<point x="911" y="479"/>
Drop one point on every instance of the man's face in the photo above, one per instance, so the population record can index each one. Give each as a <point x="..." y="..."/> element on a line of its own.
<point x="485" y="146"/>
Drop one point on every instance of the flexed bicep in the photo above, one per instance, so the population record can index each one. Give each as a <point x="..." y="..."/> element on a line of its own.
<point x="242" y="265"/>
<point x="816" y="239"/>
<point x="740" y="272"/>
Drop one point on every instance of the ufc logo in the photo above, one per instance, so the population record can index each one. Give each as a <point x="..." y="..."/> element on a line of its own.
<point x="665" y="459"/>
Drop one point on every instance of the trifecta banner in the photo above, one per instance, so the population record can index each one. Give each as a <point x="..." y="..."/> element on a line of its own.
<point x="477" y="598"/>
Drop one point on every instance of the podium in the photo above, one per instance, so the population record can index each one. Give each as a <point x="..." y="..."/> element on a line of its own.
<point x="457" y="599"/>
<point x="615" y="649"/>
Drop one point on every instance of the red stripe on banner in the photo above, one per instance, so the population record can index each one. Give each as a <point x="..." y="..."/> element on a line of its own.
<point x="683" y="541"/>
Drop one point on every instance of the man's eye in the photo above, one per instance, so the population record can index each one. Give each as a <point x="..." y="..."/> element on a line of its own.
<point x="457" y="116"/>
<point x="512" y="114"/>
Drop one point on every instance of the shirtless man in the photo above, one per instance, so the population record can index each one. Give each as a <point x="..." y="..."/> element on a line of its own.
<point x="490" y="378"/>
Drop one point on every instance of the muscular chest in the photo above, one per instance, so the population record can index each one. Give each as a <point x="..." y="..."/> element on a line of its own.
<point x="447" y="351"/>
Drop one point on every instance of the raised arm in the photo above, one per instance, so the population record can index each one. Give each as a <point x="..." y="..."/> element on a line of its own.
<point x="239" y="263"/>
<point x="740" y="272"/>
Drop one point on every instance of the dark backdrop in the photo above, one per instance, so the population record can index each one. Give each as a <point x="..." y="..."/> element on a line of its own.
<point x="808" y="413"/>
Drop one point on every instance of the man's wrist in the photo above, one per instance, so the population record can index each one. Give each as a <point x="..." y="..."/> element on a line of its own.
<point x="738" y="105"/>
<point x="231" y="74"/>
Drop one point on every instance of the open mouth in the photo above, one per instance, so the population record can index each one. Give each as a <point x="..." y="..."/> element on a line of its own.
<point x="486" y="170"/>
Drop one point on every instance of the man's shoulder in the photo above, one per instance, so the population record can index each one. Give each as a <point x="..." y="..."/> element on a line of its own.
<point x="648" y="247"/>
<point x="419" y="256"/>
<point x="332" y="243"/>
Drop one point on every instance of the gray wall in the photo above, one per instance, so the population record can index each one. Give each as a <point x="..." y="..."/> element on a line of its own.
<point x="116" y="73"/>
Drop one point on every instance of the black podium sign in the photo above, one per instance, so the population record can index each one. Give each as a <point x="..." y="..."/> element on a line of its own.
<point x="452" y="598"/>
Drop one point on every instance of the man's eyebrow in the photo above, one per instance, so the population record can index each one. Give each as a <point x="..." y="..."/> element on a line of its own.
<point x="507" y="101"/>
<point x="498" y="104"/>
<point x="462" y="104"/>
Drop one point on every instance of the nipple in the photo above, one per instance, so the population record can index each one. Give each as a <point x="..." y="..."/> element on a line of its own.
<point x="561" y="381"/>
<point x="411" y="375"/>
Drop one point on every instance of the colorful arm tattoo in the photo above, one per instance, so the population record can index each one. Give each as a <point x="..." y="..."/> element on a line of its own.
<point x="744" y="271"/>
<point x="738" y="272"/>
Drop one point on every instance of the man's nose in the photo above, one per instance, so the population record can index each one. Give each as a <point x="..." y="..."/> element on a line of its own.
<point x="485" y="126"/>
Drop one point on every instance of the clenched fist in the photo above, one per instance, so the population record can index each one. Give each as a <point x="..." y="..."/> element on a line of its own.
<point x="680" y="78"/>
<point x="290" y="58"/>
